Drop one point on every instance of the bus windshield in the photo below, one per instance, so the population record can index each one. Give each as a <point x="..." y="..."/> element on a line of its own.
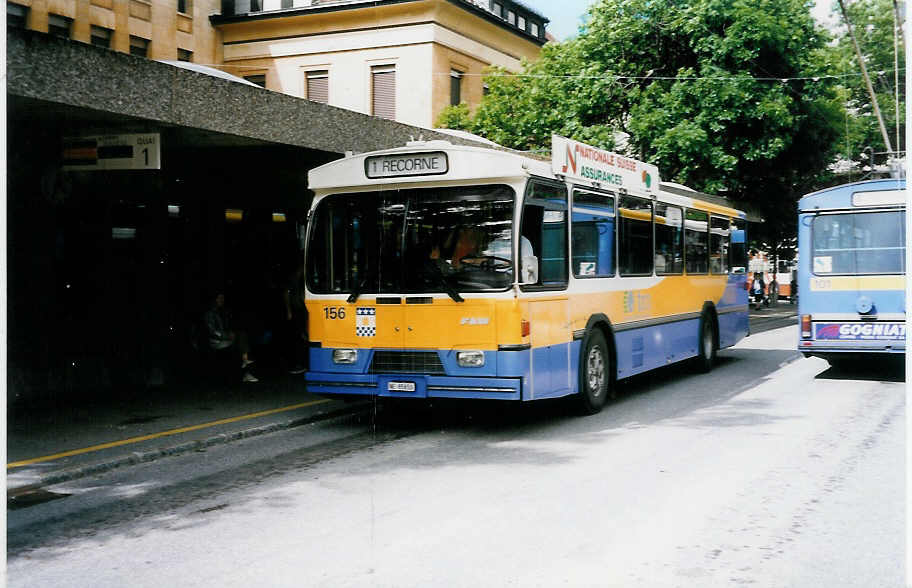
<point x="447" y="240"/>
<point x="859" y="243"/>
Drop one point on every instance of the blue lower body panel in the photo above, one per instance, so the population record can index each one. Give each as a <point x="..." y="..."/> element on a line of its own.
<point x="733" y="327"/>
<point x="647" y="348"/>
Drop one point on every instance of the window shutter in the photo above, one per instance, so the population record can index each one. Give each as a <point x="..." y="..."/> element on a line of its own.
<point x="384" y="91"/>
<point x="318" y="86"/>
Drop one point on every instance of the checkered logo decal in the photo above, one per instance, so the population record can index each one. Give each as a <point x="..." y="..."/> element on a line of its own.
<point x="366" y="323"/>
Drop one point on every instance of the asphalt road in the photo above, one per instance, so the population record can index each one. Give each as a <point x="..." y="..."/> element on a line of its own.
<point x="773" y="470"/>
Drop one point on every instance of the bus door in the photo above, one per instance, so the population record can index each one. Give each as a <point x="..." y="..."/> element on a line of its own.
<point x="544" y="226"/>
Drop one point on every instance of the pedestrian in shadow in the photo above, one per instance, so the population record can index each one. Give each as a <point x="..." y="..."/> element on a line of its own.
<point x="223" y="335"/>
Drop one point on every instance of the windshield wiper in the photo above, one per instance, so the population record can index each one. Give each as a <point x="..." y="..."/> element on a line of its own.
<point x="356" y="291"/>
<point x="434" y="270"/>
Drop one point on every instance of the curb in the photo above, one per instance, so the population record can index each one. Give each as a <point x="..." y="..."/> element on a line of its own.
<point x="138" y="457"/>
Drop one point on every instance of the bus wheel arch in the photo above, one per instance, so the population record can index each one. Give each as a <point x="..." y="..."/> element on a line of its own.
<point x="596" y="366"/>
<point x="707" y="338"/>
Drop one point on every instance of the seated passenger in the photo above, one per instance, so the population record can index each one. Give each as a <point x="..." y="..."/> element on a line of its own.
<point x="222" y="336"/>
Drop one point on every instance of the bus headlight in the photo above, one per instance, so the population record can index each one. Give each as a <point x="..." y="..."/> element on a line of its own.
<point x="346" y="356"/>
<point x="470" y="358"/>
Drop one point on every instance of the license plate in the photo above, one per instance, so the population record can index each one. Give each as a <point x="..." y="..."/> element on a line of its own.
<point x="400" y="386"/>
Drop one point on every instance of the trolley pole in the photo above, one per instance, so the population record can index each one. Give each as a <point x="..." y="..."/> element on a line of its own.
<point x="864" y="74"/>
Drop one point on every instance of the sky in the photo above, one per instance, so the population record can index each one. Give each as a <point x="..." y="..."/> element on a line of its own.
<point x="566" y="15"/>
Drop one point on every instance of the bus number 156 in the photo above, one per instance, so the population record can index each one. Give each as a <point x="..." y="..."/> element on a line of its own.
<point x="333" y="313"/>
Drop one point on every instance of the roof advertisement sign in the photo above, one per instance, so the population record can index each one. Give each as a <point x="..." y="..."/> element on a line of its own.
<point x="591" y="165"/>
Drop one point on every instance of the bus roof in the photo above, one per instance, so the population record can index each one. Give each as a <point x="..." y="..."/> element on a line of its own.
<point x="848" y="196"/>
<point x="422" y="162"/>
<point x="709" y="202"/>
<point x="583" y="166"/>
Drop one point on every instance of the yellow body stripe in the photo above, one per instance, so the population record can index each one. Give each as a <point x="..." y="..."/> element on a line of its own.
<point x="486" y="323"/>
<point x="845" y="283"/>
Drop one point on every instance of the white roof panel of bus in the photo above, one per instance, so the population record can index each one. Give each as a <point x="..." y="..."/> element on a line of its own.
<point x="464" y="163"/>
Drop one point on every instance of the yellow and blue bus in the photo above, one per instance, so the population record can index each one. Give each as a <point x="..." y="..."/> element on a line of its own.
<point x="851" y="270"/>
<point x="444" y="271"/>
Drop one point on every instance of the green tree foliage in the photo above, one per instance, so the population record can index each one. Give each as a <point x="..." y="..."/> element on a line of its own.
<point x="696" y="87"/>
<point x="872" y="22"/>
<point x="455" y="117"/>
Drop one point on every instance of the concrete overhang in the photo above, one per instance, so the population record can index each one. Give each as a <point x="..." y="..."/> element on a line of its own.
<point x="80" y="88"/>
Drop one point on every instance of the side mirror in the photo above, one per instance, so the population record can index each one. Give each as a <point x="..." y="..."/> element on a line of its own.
<point x="528" y="272"/>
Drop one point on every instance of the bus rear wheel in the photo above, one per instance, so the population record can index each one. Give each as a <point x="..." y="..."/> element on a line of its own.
<point x="594" y="374"/>
<point x="708" y="347"/>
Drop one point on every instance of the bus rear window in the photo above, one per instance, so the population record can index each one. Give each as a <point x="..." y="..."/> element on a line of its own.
<point x="859" y="243"/>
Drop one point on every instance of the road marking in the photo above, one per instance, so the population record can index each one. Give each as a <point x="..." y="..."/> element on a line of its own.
<point x="254" y="415"/>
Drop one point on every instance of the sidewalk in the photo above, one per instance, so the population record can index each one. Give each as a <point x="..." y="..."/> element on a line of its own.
<point x="51" y="441"/>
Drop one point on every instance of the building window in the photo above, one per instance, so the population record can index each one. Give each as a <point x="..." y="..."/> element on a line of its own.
<point x="533" y="28"/>
<point x="139" y="46"/>
<point x="59" y="26"/>
<point x="185" y="6"/>
<point x="521" y="22"/>
<point x="100" y="36"/>
<point x="455" y="87"/>
<point x="184" y="55"/>
<point x="497" y="8"/>
<point x="258" y="79"/>
<point x="318" y="85"/>
<point x="383" y="95"/>
<point x="511" y="17"/>
<point x="16" y="15"/>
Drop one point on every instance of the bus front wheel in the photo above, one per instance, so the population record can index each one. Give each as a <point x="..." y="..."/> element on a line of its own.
<point x="708" y="347"/>
<point x="594" y="373"/>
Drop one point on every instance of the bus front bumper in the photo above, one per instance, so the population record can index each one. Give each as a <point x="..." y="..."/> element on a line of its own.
<point x="413" y="386"/>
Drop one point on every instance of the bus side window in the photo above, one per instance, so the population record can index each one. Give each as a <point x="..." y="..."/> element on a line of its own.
<point x="738" y="250"/>
<point x="592" y="234"/>
<point x="669" y="235"/>
<point x="696" y="242"/>
<point x="719" y="238"/>
<point x="544" y="225"/>
<point x="635" y="247"/>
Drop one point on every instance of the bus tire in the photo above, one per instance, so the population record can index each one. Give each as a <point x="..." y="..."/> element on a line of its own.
<point x="594" y="373"/>
<point x="707" y="346"/>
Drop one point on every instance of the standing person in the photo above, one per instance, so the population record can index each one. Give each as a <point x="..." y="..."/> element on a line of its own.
<point x="757" y="288"/>
<point x="222" y="335"/>
<point x="296" y="321"/>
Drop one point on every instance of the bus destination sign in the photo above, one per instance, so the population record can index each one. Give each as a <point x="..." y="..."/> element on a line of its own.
<point x="406" y="164"/>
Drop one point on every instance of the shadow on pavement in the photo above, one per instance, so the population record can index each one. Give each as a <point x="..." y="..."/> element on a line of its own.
<point x="876" y="369"/>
